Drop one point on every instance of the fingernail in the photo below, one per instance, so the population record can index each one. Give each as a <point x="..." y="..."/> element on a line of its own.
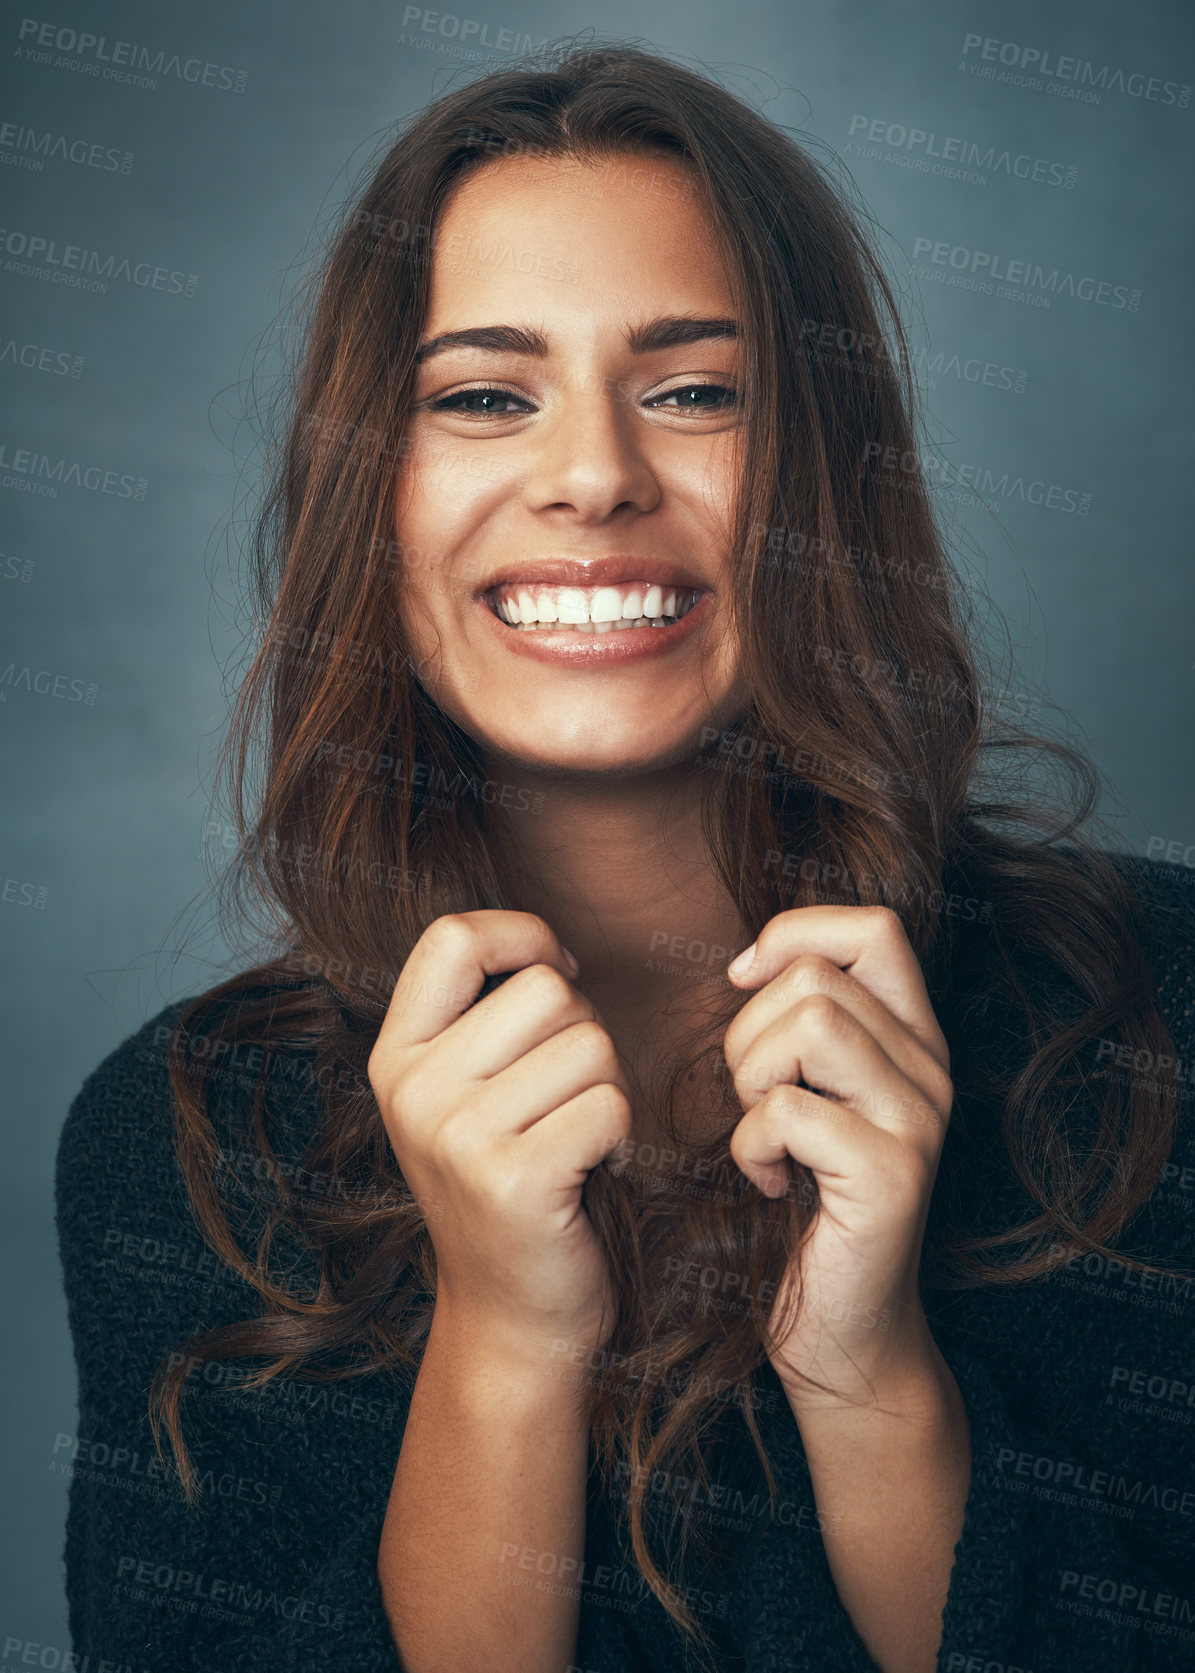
<point x="571" y="957"/>
<point x="741" y="965"/>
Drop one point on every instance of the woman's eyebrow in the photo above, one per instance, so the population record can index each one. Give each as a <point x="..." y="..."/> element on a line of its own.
<point x="668" y="332"/>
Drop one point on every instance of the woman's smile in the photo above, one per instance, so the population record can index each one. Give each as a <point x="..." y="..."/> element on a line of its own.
<point x="593" y="643"/>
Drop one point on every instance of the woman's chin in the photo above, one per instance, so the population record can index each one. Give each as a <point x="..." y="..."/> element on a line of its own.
<point x="605" y="757"/>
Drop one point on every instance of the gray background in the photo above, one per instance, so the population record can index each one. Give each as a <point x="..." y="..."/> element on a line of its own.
<point x="103" y="914"/>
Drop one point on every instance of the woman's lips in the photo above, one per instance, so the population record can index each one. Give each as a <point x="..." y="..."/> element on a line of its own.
<point x="573" y="645"/>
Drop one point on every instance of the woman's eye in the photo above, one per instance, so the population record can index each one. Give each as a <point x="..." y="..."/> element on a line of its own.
<point x="687" y="405"/>
<point x="456" y="402"/>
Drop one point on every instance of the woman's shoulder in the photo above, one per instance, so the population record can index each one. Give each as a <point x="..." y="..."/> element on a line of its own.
<point x="122" y="1205"/>
<point x="124" y="1110"/>
<point x="1169" y="888"/>
<point x="119" y="1125"/>
<point x="1168" y="893"/>
<point x="1165" y="895"/>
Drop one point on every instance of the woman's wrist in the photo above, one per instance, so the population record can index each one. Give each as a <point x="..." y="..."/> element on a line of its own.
<point x="906" y="1376"/>
<point x="491" y="1355"/>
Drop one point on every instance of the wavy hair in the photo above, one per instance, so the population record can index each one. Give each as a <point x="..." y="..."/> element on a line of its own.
<point x="875" y="764"/>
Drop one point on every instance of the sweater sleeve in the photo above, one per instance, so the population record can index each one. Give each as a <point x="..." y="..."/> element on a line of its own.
<point x="274" y="1568"/>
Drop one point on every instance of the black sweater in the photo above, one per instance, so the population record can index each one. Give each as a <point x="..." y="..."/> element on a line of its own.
<point x="1077" y="1553"/>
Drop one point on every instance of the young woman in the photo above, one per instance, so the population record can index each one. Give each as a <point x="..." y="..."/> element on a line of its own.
<point x="523" y="1285"/>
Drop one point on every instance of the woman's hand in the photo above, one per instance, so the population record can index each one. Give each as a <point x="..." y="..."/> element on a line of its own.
<point x="842" y="1007"/>
<point x="498" y="1113"/>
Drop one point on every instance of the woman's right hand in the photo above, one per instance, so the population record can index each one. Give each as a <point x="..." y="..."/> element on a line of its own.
<point x="498" y="1113"/>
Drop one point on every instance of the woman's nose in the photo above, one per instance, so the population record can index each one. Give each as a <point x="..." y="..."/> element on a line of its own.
<point x="590" y="452"/>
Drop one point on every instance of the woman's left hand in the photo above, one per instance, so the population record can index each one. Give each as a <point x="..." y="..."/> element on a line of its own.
<point x="842" y="1007"/>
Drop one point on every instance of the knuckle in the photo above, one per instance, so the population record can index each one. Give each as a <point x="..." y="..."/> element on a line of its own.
<point x="748" y="1075"/>
<point x="589" y="1040"/>
<point x="778" y="1105"/>
<point x="943" y="1092"/>
<point x="385" y="1076"/>
<point x="451" y="933"/>
<point x="547" y="986"/>
<point x="819" y="975"/>
<point x="454" y="1147"/>
<point x="589" y="1033"/>
<point x="505" y="1186"/>
<point x="613" y="1106"/>
<point x="414" y="1091"/>
<point x="819" y="1016"/>
<point x="885" y="920"/>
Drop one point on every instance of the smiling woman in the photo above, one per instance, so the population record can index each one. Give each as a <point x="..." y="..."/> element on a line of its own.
<point x="670" y="1317"/>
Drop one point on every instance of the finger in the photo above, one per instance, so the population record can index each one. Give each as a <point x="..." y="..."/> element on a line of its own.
<point x="813" y="974"/>
<point x="578" y="1135"/>
<point x="450" y="962"/>
<point x="821" y="1043"/>
<point x="795" y="1124"/>
<point x="869" y="942"/>
<point x="563" y="1067"/>
<point x="529" y="1008"/>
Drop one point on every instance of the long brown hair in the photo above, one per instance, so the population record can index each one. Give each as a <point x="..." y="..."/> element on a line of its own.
<point x="875" y="765"/>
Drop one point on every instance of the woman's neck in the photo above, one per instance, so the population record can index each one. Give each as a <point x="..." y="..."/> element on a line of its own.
<point x="619" y="867"/>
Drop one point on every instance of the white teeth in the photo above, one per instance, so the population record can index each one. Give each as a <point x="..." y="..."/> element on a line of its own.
<point x="600" y="608"/>
<point x="572" y="606"/>
<point x="606" y="605"/>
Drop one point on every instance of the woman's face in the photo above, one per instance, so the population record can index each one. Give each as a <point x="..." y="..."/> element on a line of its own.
<point x="577" y="468"/>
